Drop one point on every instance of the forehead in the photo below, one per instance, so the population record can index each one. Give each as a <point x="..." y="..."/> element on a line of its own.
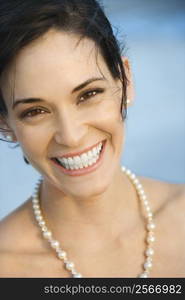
<point x="57" y="49"/>
<point x="57" y="59"/>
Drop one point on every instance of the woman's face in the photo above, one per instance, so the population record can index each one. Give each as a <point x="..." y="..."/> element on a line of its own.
<point x="65" y="102"/>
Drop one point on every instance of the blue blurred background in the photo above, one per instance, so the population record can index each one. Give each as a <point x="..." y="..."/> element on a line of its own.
<point x="154" y="32"/>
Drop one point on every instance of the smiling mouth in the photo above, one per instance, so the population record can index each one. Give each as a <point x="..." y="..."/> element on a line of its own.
<point x="82" y="161"/>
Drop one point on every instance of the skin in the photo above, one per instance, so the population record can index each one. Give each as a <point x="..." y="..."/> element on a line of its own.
<point x="100" y="224"/>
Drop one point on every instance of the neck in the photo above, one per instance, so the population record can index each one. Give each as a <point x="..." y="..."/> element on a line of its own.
<point x="115" y="211"/>
<point x="95" y="244"/>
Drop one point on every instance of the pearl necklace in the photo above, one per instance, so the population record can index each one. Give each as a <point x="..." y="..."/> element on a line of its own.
<point x="62" y="255"/>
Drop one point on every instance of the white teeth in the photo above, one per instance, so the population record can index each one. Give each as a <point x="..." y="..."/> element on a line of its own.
<point x="94" y="151"/>
<point x="77" y="159"/>
<point x="84" y="158"/>
<point x="90" y="154"/>
<point x="64" y="160"/>
<point x="81" y="161"/>
<point x="70" y="161"/>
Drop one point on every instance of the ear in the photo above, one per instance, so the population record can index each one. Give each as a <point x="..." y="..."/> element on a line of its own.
<point x="6" y="131"/>
<point x="130" y="85"/>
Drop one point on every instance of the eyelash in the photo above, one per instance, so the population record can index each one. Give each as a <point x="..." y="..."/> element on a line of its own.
<point x="85" y="97"/>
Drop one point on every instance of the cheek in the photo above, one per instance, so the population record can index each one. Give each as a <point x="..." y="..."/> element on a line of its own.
<point x="33" y="141"/>
<point x="107" y="118"/>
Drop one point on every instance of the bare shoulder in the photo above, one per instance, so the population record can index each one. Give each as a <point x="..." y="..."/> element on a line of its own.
<point x="168" y="205"/>
<point x="16" y="231"/>
<point x="165" y="196"/>
<point x="22" y="252"/>
<point x="14" y="226"/>
<point x="167" y="201"/>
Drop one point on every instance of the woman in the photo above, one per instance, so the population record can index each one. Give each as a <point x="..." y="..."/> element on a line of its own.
<point x="64" y="95"/>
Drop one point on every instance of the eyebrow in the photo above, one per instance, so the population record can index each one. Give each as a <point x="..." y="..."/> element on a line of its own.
<point x="78" y="88"/>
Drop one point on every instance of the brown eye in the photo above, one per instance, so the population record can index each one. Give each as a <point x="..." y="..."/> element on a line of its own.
<point x="90" y="94"/>
<point x="32" y="113"/>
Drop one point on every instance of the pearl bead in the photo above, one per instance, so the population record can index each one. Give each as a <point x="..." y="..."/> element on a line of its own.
<point x="128" y="172"/>
<point x="34" y="196"/>
<point x="150" y="215"/>
<point x="132" y="176"/>
<point x="39" y="218"/>
<point x="143" y="275"/>
<point x="136" y="181"/>
<point x="62" y="254"/>
<point x="36" y="206"/>
<point x="139" y="186"/>
<point x="47" y="234"/>
<point x="54" y="244"/>
<point x="151" y="226"/>
<point x="147" y="265"/>
<point x="141" y="192"/>
<point x="37" y="212"/>
<point x="35" y="201"/>
<point x="42" y="223"/>
<point x="44" y="228"/>
<point x="145" y="203"/>
<point x="149" y="252"/>
<point x="123" y="168"/>
<point x="143" y="197"/>
<point x="77" y="275"/>
<point x="150" y="239"/>
<point x="147" y="208"/>
<point x="69" y="265"/>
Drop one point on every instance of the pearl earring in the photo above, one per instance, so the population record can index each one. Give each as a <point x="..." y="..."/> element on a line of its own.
<point x="128" y="101"/>
<point x="9" y="138"/>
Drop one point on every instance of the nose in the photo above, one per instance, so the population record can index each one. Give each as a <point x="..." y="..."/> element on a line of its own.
<point x="70" y="130"/>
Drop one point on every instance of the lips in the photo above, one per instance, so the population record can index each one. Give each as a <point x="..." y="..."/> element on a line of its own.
<point x="85" y="170"/>
<point x="72" y="154"/>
